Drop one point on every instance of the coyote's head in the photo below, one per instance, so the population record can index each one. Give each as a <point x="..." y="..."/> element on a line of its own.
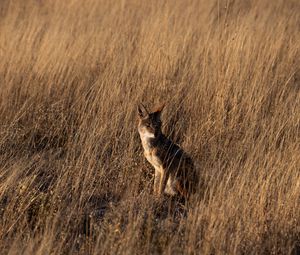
<point x="149" y="123"/>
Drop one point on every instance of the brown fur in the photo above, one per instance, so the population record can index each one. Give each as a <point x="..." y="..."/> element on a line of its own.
<point x="174" y="169"/>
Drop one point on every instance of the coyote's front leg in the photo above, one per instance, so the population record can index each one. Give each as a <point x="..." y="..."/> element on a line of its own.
<point x="157" y="177"/>
<point x="163" y="181"/>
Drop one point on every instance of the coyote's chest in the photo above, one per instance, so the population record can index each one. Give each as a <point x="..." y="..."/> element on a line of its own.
<point x="150" y="153"/>
<point x="152" y="158"/>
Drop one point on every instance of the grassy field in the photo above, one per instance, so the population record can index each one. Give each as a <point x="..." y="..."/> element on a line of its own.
<point x="73" y="179"/>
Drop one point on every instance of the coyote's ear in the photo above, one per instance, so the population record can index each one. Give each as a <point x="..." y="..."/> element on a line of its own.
<point x="158" y="110"/>
<point x="142" y="111"/>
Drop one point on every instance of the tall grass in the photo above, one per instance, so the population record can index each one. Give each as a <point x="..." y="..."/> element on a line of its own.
<point x="73" y="178"/>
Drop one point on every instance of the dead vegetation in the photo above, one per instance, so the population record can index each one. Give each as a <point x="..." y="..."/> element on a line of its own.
<point x="73" y="179"/>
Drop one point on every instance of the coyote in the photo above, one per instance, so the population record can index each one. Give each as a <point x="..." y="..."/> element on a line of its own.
<point x="174" y="169"/>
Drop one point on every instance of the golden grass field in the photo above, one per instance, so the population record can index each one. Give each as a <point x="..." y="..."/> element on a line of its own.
<point x="73" y="178"/>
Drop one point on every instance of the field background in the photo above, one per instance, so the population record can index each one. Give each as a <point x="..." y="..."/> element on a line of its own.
<point x="73" y="179"/>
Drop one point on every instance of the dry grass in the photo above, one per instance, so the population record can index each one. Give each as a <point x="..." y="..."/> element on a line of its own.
<point x="73" y="178"/>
